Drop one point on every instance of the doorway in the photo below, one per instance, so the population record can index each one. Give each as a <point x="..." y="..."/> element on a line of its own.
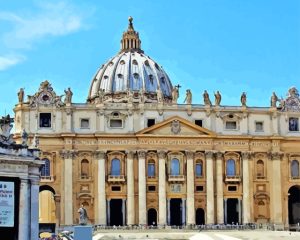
<point x="116" y="213"/>
<point x="47" y="209"/>
<point x="294" y="204"/>
<point x="232" y="211"/>
<point x="152" y="217"/>
<point x="176" y="211"/>
<point x="200" y="216"/>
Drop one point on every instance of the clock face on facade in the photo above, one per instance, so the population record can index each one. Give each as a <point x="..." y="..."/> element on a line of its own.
<point x="45" y="97"/>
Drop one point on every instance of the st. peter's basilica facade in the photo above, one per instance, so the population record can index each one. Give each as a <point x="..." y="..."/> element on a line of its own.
<point x="132" y="155"/>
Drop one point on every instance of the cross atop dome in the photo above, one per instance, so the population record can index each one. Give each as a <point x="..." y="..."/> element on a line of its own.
<point x="130" y="39"/>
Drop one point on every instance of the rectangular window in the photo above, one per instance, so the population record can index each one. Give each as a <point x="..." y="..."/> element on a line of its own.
<point x="259" y="126"/>
<point x="151" y="188"/>
<point x="150" y="122"/>
<point x="45" y="120"/>
<point x="230" y="125"/>
<point x="84" y="123"/>
<point x="232" y="188"/>
<point x="199" y="188"/>
<point x="115" y="188"/>
<point x="293" y="124"/>
<point x="116" y="123"/>
<point x="198" y="170"/>
<point x="198" y="122"/>
<point x="151" y="170"/>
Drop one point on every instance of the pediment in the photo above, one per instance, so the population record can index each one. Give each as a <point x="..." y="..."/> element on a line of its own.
<point x="175" y="126"/>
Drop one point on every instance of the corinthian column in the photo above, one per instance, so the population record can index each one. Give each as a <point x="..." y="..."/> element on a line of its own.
<point x="130" y="189"/>
<point x="276" y="201"/>
<point x="190" y="188"/>
<point x="24" y="210"/>
<point x="68" y="185"/>
<point x="246" y="187"/>
<point x="220" y="196"/>
<point x="142" y="187"/>
<point x="210" y="211"/>
<point x="162" y="188"/>
<point x="101" y="194"/>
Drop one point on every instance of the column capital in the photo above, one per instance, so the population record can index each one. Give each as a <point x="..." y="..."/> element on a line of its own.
<point x="190" y="154"/>
<point x="219" y="155"/>
<point x="68" y="154"/>
<point x="246" y="155"/>
<point x="276" y="155"/>
<point x="209" y="154"/>
<point x="35" y="181"/>
<point x="130" y="153"/>
<point x="24" y="180"/>
<point x="100" y="154"/>
<point x="142" y="154"/>
<point x="57" y="198"/>
<point x="162" y="154"/>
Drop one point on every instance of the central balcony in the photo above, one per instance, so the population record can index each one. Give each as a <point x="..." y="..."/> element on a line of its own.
<point x="234" y="178"/>
<point x="116" y="178"/>
<point x="176" y="178"/>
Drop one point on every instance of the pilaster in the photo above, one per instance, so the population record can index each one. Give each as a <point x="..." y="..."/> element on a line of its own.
<point x="210" y="203"/>
<point x="220" y="195"/>
<point x="130" y="189"/>
<point x="246" y="188"/>
<point x="142" y="187"/>
<point x="190" y="189"/>
<point x="162" y="188"/>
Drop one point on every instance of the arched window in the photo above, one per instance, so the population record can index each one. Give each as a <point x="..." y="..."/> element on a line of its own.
<point x="295" y="169"/>
<point x="230" y="167"/>
<point x="151" y="168"/>
<point x="115" y="167"/>
<point x="198" y="170"/>
<point x="175" y="167"/>
<point x="85" y="171"/>
<point x="45" y="171"/>
<point x="260" y="169"/>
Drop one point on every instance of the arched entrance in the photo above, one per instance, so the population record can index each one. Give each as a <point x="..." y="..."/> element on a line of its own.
<point x="152" y="217"/>
<point x="200" y="216"/>
<point x="294" y="204"/>
<point x="47" y="217"/>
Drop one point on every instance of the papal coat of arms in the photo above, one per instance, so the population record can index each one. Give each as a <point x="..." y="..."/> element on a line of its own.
<point x="175" y="127"/>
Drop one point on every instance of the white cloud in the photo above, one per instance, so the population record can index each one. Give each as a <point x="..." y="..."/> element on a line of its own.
<point x="9" y="61"/>
<point x="49" y="20"/>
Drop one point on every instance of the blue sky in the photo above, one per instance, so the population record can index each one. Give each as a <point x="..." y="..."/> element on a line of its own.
<point x="226" y="45"/>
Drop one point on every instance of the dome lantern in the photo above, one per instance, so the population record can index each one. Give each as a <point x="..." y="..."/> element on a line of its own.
<point x="130" y="39"/>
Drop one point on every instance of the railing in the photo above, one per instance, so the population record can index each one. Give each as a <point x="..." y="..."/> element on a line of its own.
<point x="85" y="177"/>
<point x="47" y="178"/>
<point x="176" y="178"/>
<point x="116" y="178"/>
<point x="295" y="177"/>
<point x="234" y="178"/>
<point x="260" y="177"/>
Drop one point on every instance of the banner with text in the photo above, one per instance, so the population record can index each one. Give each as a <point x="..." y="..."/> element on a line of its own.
<point x="7" y="204"/>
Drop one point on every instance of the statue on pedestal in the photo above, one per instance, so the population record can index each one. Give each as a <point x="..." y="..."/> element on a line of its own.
<point x="243" y="99"/>
<point x="188" y="97"/>
<point x="206" y="98"/>
<point x="21" y="95"/>
<point x="175" y="94"/>
<point x="82" y="215"/>
<point x="69" y="94"/>
<point x="218" y="98"/>
<point x="274" y="100"/>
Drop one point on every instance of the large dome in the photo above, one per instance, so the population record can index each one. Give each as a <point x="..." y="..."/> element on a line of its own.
<point x="130" y="75"/>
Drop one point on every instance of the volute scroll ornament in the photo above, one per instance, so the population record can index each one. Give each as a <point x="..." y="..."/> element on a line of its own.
<point x="68" y="154"/>
<point x="162" y="154"/>
<point x="100" y="154"/>
<point x="189" y="154"/>
<point x="209" y="154"/>
<point x="246" y="155"/>
<point x="219" y="155"/>
<point x="142" y="154"/>
<point x="276" y="155"/>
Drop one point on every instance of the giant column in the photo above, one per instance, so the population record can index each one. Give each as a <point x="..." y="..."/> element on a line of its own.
<point x="101" y="193"/>
<point x="220" y="195"/>
<point x="24" y="210"/>
<point x="190" y="188"/>
<point x="34" y="208"/>
<point x="142" y="187"/>
<point x="162" y="188"/>
<point x="130" y="189"/>
<point x="68" y="185"/>
<point x="246" y="188"/>
<point x="276" y="201"/>
<point x="210" y="203"/>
